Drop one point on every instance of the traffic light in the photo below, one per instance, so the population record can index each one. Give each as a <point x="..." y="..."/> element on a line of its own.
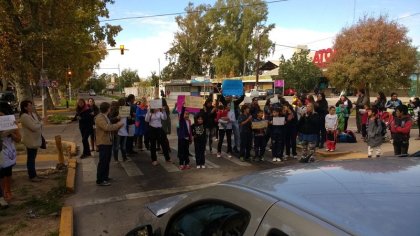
<point x="69" y="73"/>
<point x="122" y="49"/>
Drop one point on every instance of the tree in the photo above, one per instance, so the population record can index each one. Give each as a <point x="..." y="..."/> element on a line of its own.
<point x="240" y="35"/>
<point x="128" y="77"/>
<point x="372" y="53"/>
<point x="299" y="72"/>
<point x="36" y="35"/>
<point x="192" y="48"/>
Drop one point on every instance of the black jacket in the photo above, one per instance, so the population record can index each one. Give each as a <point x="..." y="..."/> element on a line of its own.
<point x="235" y="103"/>
<point x="309" y="124"/>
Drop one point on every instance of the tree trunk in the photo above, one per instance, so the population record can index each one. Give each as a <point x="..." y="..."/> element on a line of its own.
<point x="54" y="96"/>
<point x="4" y="83"/>
<point x="48" y="101"/>
<point x="23" y="88"/>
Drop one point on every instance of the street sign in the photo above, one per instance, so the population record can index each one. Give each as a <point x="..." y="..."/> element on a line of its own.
<point x="54" y="84"/>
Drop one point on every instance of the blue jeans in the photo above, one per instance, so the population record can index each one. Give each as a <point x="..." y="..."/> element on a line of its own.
<point x="119" y="142"/>
<point x="102" y="174"/>
<point x="30" y="162"/>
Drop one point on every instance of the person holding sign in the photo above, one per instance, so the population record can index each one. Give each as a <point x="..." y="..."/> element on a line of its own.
<point x="184" y="139"/>
<point x="290" y="130"/>
<point x="259" y="125"/>
<point x="85" y="117"/>
<point x="277" y="135"/>
<point x="8" y="154"/>
<point x="120" y="138"/>
<point x="224" y="116"/>
<point x="155" y="117"/>
<point x="308" y="128"/>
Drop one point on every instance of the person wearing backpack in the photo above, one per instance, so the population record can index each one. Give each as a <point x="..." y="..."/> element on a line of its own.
<point x="400" y="131"/>
<point x="374" y="133"/>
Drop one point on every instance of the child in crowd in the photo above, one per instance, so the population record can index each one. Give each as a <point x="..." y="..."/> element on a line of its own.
<point x="364" y="120"/>
<point x="400" y="131"/>
<point x="199" y="134"/>
<point x="8" y="157"/>
<point x="374" y="133"/>
<point x="277" y="135"/>
<point x="331" y="122"/>
<point x="259" y="136"/>
<point x="290" y="130"/>
<point x="245" y="129"/>
<point x="225" y="127"/>
<point x="184" y="139"/>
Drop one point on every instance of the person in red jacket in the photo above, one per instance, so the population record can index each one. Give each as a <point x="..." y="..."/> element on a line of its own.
<point x="400" y="131"/>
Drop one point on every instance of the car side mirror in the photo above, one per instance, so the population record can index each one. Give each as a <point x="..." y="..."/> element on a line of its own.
<point x="144" y="230"/>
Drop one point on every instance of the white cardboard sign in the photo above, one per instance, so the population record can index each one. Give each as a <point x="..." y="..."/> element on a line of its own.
<point x="278" y="120"/>
<point x="155" y="104"/>
<point x="7" y="123"/>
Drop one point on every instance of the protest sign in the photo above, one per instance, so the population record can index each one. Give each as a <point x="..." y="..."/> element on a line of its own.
<point x="7" y="123"/>
<point x="155" y="104"/>
<point x="124" y="111"/>
<point x="279" y="83"/>
<point x="278" y="120"/>
<point x="232" y="88"/>
<point x="274" y="100"/>
<point x="259" y="124"/>
<point x="247" y="100"/>
<point x="193" y="102"/>
<point x="182" y="100"/>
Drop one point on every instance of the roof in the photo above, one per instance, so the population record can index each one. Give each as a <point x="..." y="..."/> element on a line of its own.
<point x="365" y="197"/>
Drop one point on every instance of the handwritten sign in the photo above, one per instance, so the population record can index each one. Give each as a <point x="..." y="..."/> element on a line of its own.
<point x="232" y="88"/>
<point x="274" y="100"/>
<point x="7" y="123"/>
<point x="247" y="100"/>
<point x="193" y="102"/>
<point x="278" y="120"/>
<point x="124" y="111"/>
<point x="183" y="99"/>
<point x="155" y="104"/>
<point x="259" y="125"/>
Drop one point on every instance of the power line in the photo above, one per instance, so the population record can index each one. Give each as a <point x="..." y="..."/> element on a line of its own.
<point x="411" y="15"/>
<point x="187" y="12"/>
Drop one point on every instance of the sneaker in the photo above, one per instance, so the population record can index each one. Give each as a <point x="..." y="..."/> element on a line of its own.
<point x="219" y="155"/>
<point x="203" y="167"/>
<point x="155" y="163"/>
<point x="279" y="160"/>
<point x="285" y="158"/>
<point x="326" y="149"/>
<point x="35" y="179"/>
<point x="182" y="167"/>
<point x="104" y="183"/>
<point x="3" y="203"/>
<point x="126" y="160"/>
<point x="229" y="155"/>
<point x="274" y="159"/>
<point x="187" y="167"/>
<point x="169" y="161"/>
<point x="198" y="167"/>
<point x="332" y="150"/>
<point x="294" y="157"/>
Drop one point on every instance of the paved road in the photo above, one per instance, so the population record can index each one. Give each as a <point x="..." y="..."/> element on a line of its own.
<point x="116" y="209"/>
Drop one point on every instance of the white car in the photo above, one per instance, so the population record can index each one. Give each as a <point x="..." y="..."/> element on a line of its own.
<point x="92" y="93"/>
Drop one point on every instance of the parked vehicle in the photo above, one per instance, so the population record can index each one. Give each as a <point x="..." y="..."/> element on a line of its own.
<point x="92" y="92"/>
<point x="253" y="93"/>
<point x="289" y="92"/>
<point x="354" y="197"/>
<point x="9" y="98"/>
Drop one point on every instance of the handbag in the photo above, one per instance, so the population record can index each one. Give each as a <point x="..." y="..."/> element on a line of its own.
<point x="43" y="143"/>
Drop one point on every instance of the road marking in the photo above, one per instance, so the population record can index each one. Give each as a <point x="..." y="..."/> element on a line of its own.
<point x="132" y="196"/>
<point x="235" y="160"/>
<point x="131" y="168"/>
<point x="88" y="169"/>
<point x="209" y="164"/>
<point x="168" y="166"/>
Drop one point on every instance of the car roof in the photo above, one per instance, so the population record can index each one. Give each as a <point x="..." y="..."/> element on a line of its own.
<point x="364" y="197"/>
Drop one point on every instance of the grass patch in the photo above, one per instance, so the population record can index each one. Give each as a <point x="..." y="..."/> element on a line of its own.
<point x="54" y="233"/>
<point x="58" y="118"/>
<point x="72" y="103"/>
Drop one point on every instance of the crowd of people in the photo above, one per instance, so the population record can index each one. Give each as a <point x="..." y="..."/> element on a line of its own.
<point x="249" y="129"/>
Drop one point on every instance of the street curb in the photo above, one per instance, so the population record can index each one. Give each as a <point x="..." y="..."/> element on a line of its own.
<point x="71" y="175"/>
<point x="332" y="154"/>
<point x="66" y="221"/>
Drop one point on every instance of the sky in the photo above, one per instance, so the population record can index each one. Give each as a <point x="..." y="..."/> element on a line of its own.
<point x="298" y="22"/>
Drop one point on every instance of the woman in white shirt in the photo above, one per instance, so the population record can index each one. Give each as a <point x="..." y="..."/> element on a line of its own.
<point x="155" y="117"/>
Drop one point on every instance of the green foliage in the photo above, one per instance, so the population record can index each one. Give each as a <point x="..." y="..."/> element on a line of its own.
<point x="69" y="34"/>
<point x="97" y="84"/>
<point x="58" y="118"/>
<point x="374" y="53"/>
<point x="222" y="40"/>
<point x="128" y="77"/>
<point x="299" y="72"/>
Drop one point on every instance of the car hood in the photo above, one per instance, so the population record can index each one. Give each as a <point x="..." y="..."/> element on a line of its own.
<point x="161" y="207"/>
